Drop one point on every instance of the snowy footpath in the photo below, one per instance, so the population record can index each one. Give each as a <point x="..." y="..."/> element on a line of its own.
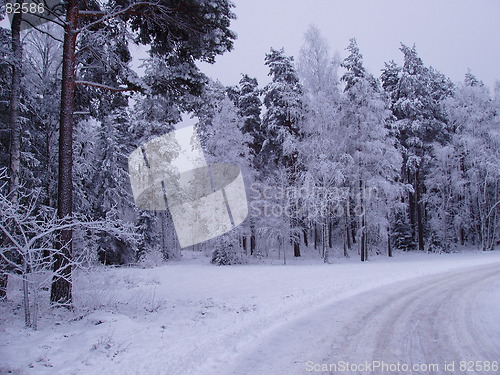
<point x="413" y="314"/>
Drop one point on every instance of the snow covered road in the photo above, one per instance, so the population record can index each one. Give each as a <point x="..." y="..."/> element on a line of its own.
<point x="439" y="324"/>
<point x="196" y="319"/>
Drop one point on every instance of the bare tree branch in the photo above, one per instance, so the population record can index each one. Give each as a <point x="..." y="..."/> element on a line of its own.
<point x="44" y="32"/>
<point x="105" y="87"/>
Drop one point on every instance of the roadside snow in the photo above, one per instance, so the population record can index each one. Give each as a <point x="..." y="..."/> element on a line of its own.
<point x="186" y="318"/>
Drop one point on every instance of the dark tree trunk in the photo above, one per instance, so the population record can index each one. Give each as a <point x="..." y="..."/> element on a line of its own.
<point x="296" y="248"/>
<point x="389" y="245"/>
<point x="164" y="244"/>
<point x="347" y="220"/>
<point x="462" y="201"/>
<point x="61" y="290"/>
<point x="420" y="226"/>
<point x="411" y="204"/>
<point x="15" y="127"/>
<point x="362" y="244"/>
<point x="295" y="237"/>
<point x="324" y="233"/>
<point x="353" y="231"/>
<point x="330" y="234"/>
<point x="316" y="242"/>
<point x="306" y="242"/>
<point x="252" y="238"/>
<point x="291" y="162"/>
<point x="347" y="238"/>
<point x="15" y="130"/>
<point x="345" y="244"/>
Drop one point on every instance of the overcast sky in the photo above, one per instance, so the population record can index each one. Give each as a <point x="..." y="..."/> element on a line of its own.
<point x="451" y="35"/>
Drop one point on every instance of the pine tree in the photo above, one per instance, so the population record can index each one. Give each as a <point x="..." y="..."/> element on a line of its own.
<point x="246" y="97"/>
<point x="401" y="233"/>
<point x="227" y="250"/>
<point x="420" y="121"/>
<point x="249" y="108"/>
<point x="471" y="80"/>
<point x="168" y="29"/>
<point x="110" y="188"/>
<point x="390" y="79"/>
<point x="283" y="102"/>
<point x="353" y="64"/>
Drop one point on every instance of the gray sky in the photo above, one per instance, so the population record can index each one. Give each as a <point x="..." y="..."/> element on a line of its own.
<point x="451" y="35"/>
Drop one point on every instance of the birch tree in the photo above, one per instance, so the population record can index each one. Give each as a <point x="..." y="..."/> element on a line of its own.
<point x="374" y="160"/>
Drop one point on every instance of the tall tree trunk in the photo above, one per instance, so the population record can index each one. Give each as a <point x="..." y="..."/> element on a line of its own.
<point x="61" y="290"/>
<point x="463" y="201"/>
<point x="164" y="245"/>
<point x="296" y="246"/>
<point x="294" y="222"/>
<point x="252" y="238"/>
<point x="316" y="242"/>
<point x="26" y="300"/>
<point x="330" y="233"/>
<point x="411" y="204"/>
<point x="345" y="243"/>
<point x="324" y="244"/>
<point x="295" y="237"/>
<point x="15" y="129"/>
<point x="353" y="228"/>
<point x="244" y="243"/>
<point x="362" y="244"/>
<point x="389" y="245"/>
<point x="418" y="203"/>
<point x="462" y="235"/>
<point x="479" y="220"/>
<point x="347" y="225"/>
<point x="15" y="126"/>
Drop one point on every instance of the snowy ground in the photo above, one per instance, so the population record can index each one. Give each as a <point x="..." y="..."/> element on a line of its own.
<point x="193" y="318"/>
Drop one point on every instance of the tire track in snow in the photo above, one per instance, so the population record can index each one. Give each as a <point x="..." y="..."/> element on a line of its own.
<point x="431" y="319"/>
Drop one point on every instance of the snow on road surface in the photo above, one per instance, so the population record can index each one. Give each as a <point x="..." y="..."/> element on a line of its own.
<point x="194" y="318"/>
<point x="429" y="325"/>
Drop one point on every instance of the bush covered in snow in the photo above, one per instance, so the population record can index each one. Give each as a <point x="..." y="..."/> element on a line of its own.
<point x="227" y="251"/>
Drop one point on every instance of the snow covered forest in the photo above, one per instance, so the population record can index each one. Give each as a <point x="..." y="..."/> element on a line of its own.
<point x="338" y="161"/>
<point x="373" y="201"/>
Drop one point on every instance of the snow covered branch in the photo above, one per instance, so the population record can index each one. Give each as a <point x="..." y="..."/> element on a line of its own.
<point x="131" y="9"/>
<point x="106" y="87"/>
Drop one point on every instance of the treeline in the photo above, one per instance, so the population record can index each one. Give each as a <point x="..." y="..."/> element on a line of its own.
<point x="335" y="158"/>
<point x="343" y="161"/>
